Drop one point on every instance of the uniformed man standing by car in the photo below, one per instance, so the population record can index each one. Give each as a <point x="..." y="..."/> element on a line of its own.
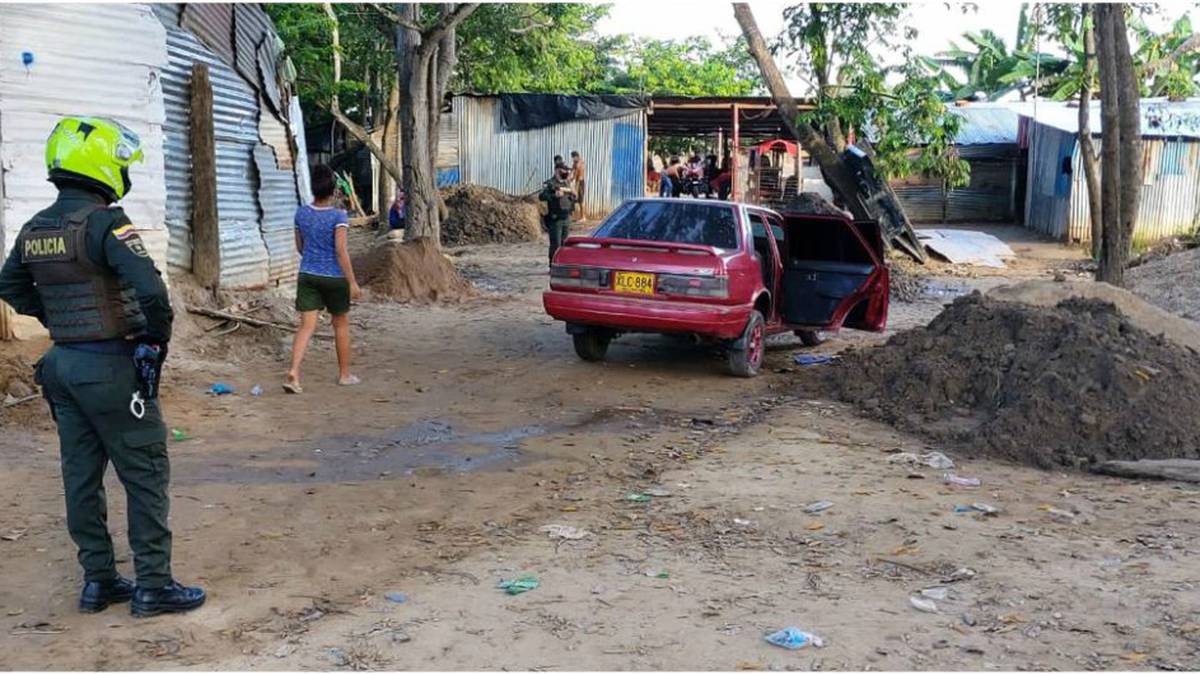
<point x="560" y="202"/>
<point x="81" y="269"/>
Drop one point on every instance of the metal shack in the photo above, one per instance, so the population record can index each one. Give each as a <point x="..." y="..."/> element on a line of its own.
<point x="508" y="142"/>
<point x="987" y="141"/>
<point x="1057" y="203"/>
<point x="133" y="62"/>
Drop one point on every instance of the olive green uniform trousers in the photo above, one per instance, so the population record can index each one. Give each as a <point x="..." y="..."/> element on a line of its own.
<point x="89" y="394"/>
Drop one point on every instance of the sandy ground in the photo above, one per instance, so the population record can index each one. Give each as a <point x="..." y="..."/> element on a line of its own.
<point x="476" y="426"/>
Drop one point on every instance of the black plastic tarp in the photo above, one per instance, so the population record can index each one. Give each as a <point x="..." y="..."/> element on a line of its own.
<point x="519" y="112"/>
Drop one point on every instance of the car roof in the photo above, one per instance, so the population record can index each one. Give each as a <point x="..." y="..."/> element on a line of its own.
<point x="705" y="202"/>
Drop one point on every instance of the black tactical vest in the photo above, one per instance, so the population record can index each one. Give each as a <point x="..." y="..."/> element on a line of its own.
<point x="83" y="301"/>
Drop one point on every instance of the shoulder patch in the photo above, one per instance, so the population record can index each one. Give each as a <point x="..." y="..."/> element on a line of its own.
<point x="124" y="232"/>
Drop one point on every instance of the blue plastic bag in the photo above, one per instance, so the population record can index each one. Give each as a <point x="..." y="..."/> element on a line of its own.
<point x="794" y="638"/>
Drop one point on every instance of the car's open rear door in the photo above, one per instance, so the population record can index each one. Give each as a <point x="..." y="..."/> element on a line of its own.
<point x="834" y="273"/>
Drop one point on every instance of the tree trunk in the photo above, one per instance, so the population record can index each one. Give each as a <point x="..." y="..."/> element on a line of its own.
<point x="1121" y="146"/>
<point x="1087" y="149"/>
<point x="1129" y="113"/>
<point x="413" y="64"/>
<point x="832" y="167"/>
<point x="426" y="59"/>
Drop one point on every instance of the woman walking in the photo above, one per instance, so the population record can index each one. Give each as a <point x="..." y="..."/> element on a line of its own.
<point x="326" y="279"/>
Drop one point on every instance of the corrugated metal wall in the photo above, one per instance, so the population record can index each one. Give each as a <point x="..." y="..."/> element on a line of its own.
<point x="244" y="257"/>
<point x="1048" y="194"/>
<point x="1057" y="203"/>
<point x="277" y="199"/>
<point x="988" y="197"/>
<point x="212" y="24"/>
<point x="518" y="162"/>
<point x="1170" y="201"/>
<point x="87" y="59"/>
<point x="256" y="194"/>
<point x="296" y="122"/>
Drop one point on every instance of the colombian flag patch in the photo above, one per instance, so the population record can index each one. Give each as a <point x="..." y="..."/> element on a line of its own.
<point x="124" y="232"/>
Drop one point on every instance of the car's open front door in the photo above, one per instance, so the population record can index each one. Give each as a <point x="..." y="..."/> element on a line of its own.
<point x="834" y="273"/>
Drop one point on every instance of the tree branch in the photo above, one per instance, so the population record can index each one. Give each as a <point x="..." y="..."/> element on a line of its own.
<point x="448" y="22"/>
<point x="394" y="17"/>
<point x="1153" y="68"/>
<point x="335" y="106"/>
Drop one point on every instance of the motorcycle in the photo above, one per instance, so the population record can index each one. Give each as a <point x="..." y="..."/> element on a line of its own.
<point x="693" y="182"/>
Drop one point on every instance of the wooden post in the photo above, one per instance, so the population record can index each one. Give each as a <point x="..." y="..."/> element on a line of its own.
<point x="206" y="237"/>
<point x="735" y="193"/>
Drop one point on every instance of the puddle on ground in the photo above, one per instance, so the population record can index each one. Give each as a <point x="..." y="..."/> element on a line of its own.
<point x="426" y="445"/>
<point x="942" y="289"/>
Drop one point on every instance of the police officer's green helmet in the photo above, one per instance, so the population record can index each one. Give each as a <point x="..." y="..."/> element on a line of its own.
<point x="94" y="150"/>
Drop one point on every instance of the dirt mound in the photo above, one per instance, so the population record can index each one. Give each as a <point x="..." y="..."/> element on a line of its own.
<point x="905" y="284"/>
<point x="481" y="215"/>
<point x="1068" y="385"/>
<point x="1137" y="311"/>
<point x="1171" y="282"/>
<point x="411" y="271"/>
<point x="16" y="377"/>
<point x="812" y="203"/>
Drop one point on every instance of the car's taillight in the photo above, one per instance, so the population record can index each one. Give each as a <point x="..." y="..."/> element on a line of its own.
<point x="699" y="287"/>
<point x="578" y="277"/>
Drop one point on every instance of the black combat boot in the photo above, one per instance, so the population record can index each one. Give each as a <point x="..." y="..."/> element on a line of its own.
<point x="174" y="597"/>
<point x="97" y="595"/>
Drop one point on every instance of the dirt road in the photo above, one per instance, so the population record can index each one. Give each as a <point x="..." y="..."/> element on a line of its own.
<point x="476" y="426"/>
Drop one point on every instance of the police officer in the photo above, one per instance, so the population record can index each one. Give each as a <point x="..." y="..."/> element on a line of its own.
<point x="80" y="268"/>
<point x="560" y="202"/>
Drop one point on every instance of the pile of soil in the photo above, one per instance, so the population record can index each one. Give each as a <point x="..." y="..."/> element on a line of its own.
<point x="481" y="215"/>
<point x="1171" y="282"/>
<point x="411" y="271"/>
<point x="905" y="283"/>
<point x="813" y="203"/>
<point x="1067" y="385"/>
<point x="16" y="377"/>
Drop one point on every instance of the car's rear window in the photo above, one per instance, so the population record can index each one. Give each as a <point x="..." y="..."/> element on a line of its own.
<point x="681" y="222"/>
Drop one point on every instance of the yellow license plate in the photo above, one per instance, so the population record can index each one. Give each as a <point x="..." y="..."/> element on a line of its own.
<point x="634" y="282"/>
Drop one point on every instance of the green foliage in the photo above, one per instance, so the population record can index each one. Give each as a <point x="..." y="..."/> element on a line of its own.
<point x="1181" y="77"/>
<point x="691" y="67"/>
<point x="834" y="47"/>
<point x="991" y="68"/>
<point x="544" y="48"/>
<point x="367" y="56"/>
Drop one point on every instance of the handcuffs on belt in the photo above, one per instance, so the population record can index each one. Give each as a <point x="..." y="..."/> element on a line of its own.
<point x="137" y="405"/>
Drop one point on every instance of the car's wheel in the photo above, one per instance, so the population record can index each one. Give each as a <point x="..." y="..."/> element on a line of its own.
<point x="592" y="345"/>
<point x="746" y="360"/>
<point x="810" y="338"/>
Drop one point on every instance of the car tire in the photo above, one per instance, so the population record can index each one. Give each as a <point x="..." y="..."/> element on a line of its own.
<point x="810" y="338"/>
<point x="591" y="345"/>
<point x="747" y="360"/>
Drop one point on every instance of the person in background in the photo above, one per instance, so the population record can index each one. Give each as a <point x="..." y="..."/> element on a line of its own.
<point x="653" y="177"/>
<point x="326" y="279"/>
<point x="671" y="178"/>
<point x="558" y="161"/>
<point x="398" y="213"/>
<point x="560" y="202"/>
<point x="579" y="178"/>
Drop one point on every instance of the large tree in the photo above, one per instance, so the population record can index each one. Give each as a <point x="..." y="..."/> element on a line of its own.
<point x="838" y="50"/>
<point x="426" y="52"/>
<point x="1087" y="149"/>
<point x="834" y="169"/>
<point x="1121" y="145"/>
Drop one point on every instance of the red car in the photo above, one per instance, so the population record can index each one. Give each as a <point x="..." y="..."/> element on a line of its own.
<point x="725" y="272"/>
